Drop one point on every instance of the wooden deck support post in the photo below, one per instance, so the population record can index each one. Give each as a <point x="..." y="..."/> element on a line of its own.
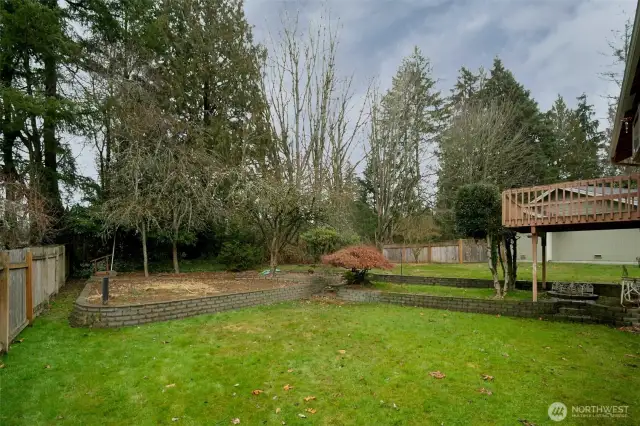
<point x="29" y="284"/>
<point x="534" y="266"/>
<point x="4" y="302"/>
<point x="544" y="259"/>
<point x="460" y="252"/>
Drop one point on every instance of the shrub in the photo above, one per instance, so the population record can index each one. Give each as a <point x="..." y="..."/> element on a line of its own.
<point x="478" y="210"/>
<point x="359" y="260"/>
<point x="237" y="256"/>
<point x="324" y="239"/>
<point x="295" y="254"/>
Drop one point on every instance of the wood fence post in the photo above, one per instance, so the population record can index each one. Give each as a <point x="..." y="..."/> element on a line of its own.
<point x="429" y="253"/>
<point x="29" y="284"/>
<point x="534" y="266"/>
<point x="4" y="303"/>
<point x="460" y="252"/>
<point x="544" y="259"/>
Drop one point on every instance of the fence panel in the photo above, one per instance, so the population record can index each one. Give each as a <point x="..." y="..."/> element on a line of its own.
<point x="35" y="272"/>
<point x="17" y="293"/>
<point x="445" y="252"/>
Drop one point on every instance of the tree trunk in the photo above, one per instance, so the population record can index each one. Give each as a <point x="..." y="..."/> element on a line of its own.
<point x="505" y="271"/>
<point x="144" y="250"/>
<point x="49" y="137"/>
<point x="273" y="263"/>
<point x="492" y="261"/>
<point x="511" y="254"/>
<point x="176" y="265"/>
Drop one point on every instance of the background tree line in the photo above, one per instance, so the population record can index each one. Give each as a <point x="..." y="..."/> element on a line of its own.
<point x="209" y="144"/>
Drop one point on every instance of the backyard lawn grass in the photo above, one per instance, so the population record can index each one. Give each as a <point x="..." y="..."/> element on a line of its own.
<point x="360" y="364"/>
<point x="438" y="290"/>
<point x="571" y="272"/>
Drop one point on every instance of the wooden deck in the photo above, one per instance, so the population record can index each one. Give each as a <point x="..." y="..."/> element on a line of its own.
<point x="605" y="203"/>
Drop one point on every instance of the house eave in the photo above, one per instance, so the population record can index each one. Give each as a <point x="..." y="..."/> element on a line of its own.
<point x="625" y="111"/>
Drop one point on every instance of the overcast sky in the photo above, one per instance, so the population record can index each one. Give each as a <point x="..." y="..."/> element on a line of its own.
<point x="552" y="46"/>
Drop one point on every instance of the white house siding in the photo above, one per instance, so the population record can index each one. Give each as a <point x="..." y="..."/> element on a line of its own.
<point x="613" y="246"/>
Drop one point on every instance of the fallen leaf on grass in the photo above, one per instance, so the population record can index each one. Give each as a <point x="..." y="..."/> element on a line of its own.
<point x="172" y="385"/>
<point x="290" y="370"/>
<point x="437" y="375"/>
<point x="487" y="377"/>
<point x="256" y="391"/>
<point x="563" y="358"/>
<point x="287" y="387"/>
<point x="309" y="398"/>
<point x="1" y="365"/>
<point x="547" y="347"/>
<point x="485" y="391"/>
<point x="498" y="316"/>
<point x="526" y="422"/>
<point x="629" y="355"/>
<point x="302" y="416"/>
<point x="164" y="342"/>
<point x="506" y="355"/>
<point x="235" y="421"/>
<point x="175" y="419"/>
<point x="311" y="410"/>
<point x="237" y="384"/>
<point x="278" y="410"/>
<point x="342" y="352"/>
<point x="19" y="340"/>
<point x="47" y="366"/>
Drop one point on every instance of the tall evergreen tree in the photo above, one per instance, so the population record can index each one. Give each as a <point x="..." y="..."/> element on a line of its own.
<point x="37" y="54"/>
<point x="577" y="141"/>
<point x="404" y="124"/>
<point x="502" y="86"/>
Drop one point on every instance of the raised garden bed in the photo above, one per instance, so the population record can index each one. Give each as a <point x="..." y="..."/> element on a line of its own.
<point x="128" y="289"/>
<point x="138" y="300"/>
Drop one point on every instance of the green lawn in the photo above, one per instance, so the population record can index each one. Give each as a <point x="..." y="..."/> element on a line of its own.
<point x="203" y="370"/>
<point x="555" y="271"/>
<point x="438" y="290"/>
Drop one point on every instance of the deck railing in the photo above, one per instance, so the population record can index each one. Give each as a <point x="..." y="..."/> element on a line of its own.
<point x="609" y="199"/>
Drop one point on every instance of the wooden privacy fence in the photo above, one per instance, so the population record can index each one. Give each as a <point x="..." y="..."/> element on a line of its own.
<point x="28" y="278"/>
<point x="459" y="251"/>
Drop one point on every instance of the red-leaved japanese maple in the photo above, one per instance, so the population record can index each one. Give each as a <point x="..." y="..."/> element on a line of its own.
<point x="359" y="260"/>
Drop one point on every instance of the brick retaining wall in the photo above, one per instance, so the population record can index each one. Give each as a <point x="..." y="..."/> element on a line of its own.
<point x="601" y="289"/>
<point x="547" y="309"/>
<point x="89" y="315"/>
<point x="462" y="304"/>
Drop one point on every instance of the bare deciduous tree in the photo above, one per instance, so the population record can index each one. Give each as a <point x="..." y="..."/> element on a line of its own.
<point x="403" y="124"/>
<point x="279" y="209"/>
<point x="23" y="215"/>
<point x="417" y="228"/>
<point x="314" y="114"/>
<point x="484" y="149"/>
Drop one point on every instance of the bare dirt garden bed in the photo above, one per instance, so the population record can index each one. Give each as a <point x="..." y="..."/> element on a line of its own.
<point x="133" y="288"/>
